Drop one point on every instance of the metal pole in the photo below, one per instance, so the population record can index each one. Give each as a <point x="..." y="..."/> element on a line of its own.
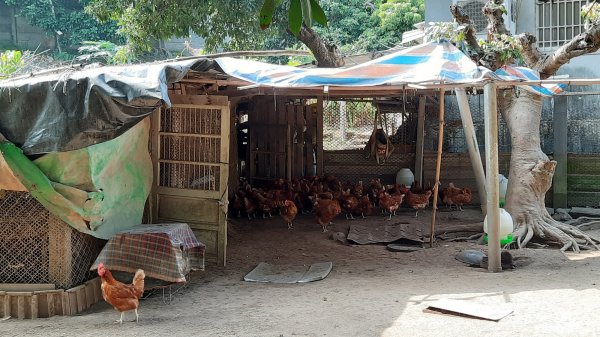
<point x="493" y="190"/>
<point x="437" y="167"/>
<point x="473" y="146"/>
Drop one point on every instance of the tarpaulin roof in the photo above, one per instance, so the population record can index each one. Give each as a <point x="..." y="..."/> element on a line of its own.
<point x="72" y="110"/>
<point x="422" y="64"/>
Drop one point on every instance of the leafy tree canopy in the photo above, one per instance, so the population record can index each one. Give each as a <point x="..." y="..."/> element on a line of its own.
<point x="67" y="17"/>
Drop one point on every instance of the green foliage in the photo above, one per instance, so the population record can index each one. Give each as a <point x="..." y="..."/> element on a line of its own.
<point x="105" y="52"/>
<point x="506" y="46"/>
<point x="230" y="25"/>
<point x="389" y="20"/>
<point x="300" y="11"/>
<point x="590" y="14"/>
<point x="66" y="17"/>
<point x="10" y="61"/>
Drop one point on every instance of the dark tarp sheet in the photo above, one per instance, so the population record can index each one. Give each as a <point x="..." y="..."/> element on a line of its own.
<point x="71" y="110"/>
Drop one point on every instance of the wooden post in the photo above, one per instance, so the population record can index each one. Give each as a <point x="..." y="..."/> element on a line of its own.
<point x="420" y="141"/>
<point x="473" y="146"/>
<point x="342" y="120"/>
<point x="559" y="124"/>
<point x="493" y="190"/>
<point x="437" y="167"/>
<point x="319" y="136"/>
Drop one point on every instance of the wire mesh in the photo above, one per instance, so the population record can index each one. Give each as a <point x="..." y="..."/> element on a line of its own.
<point x="190" y="148"/>
<point x="37" y="247"/>
<point x="348" y="124"/>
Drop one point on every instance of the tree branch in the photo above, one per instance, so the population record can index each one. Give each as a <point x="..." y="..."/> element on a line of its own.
<point x="493" y="11"/>
<point x="584" y="43"/>
<point x="327" y="55"/>
<point x="463" y="19"/>
<point x="529" y="49"/>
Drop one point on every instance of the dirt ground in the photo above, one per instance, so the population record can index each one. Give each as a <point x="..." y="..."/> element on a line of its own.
<point x="370" y="291"/>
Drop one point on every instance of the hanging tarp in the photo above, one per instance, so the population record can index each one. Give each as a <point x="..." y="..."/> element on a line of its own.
<point x="423" y="64"/>
<point x="98" y="190"/>
<point x="71" y="110"/>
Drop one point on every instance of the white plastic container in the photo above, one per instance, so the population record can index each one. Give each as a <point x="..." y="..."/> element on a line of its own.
<point x="503" y="186"/>
<point x="405" y="177"/>
<point x="506" y="223"/>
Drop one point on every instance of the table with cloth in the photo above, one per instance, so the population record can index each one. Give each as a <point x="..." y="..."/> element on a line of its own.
<point x="164" y="251"/>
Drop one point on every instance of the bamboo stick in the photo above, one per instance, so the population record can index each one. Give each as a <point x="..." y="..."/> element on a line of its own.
<point x="437" y="167"/>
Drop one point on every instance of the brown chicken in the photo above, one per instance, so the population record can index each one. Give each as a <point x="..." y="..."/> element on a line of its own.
<point x="349" y="204"/>
<point x="249" y="207"/>
<point x="288" y="212"/>
<point x="123" y="297"/>
<point x="456" y="196"/>
<point x="325" y="211"/>
<point x="266" y="204"/>
<point x="390" y="203"/>
<point x="238" y="202"/>
<point x="365" y="206"/>
<point x="418" y="201"/>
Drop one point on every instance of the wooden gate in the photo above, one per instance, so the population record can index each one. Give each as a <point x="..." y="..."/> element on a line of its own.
<point x="190" y="151"/>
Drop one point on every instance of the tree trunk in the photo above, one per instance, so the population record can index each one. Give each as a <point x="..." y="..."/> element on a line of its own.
<point x="530" y="177"/>
<point x="327" y="55"/>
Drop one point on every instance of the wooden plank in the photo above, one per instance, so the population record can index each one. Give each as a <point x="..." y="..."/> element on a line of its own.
<point x="310" y="134"/>
<point x="18" y="287"/>
<point x="65" y="306"/>
<point x="319" y="148"/>
<point x="198" y="100"/>
<point x="34" y="306"/>
<point x="89" y="294"/>
<point x="224" y="172"/>
<point x="290" y="151"/>
<point x="20" y="306"/>
<point x="72" y="302"/>
<point x="583" y="199"/>
<point x="420" y="142"/>
<point x="468" y="308"/>
<point x="5" y="304"/>
<point x="81" y="300"/>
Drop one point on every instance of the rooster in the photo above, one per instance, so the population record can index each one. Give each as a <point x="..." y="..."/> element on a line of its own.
<point x="123" y="297"/>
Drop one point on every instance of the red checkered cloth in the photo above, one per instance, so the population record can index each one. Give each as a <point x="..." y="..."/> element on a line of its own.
<point x="164" y="251"/>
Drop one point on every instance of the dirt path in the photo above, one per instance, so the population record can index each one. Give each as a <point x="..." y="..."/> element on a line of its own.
<point x="370" y="292"/>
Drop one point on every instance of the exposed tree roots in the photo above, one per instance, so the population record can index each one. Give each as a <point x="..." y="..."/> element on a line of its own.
<point x="552" y="231"/>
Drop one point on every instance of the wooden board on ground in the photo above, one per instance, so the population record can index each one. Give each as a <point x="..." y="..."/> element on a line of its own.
<point x="467" y="308"/>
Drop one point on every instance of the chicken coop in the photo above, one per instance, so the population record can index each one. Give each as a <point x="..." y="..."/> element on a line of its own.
<point x="45" y="261"/>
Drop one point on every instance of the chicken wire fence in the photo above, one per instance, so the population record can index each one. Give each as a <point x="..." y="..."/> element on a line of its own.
<point x="37" y="247"/>
<point x="190" y="148"/>
<point x="348" y="124"/>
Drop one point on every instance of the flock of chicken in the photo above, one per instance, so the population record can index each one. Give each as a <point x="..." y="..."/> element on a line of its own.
<point x="327" y="197"/>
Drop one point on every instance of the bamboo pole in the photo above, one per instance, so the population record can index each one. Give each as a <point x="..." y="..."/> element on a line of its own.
<point x="473" y="146"/>
<point x="420" y="141"/>
<point x="493" y="190"/>
<point x="437" y="167"/>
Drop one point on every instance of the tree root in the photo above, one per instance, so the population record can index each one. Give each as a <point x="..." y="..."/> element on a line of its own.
<point x="550" y="230"/>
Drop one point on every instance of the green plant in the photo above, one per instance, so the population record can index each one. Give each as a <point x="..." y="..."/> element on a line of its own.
<point x="506" y="46"/>
<point x="590" y="14"/>
<point x="105" y="52"/>
<point x="10" y="61"/>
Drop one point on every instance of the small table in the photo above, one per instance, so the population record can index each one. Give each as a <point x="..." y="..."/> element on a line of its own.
<point x="165" y="252"/>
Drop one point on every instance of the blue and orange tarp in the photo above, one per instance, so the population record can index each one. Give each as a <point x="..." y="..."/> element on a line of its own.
<point x="424" y="64"/>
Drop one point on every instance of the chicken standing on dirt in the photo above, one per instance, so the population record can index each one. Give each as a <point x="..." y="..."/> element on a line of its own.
<point x="349" y="204"/>
<point x="456" y="196"/>
<point x="123" y="297"/>
<point x="365" y="206"/>
<point x="288" y="212"/>
<point x="390" y="203"/>
<point x="418" y="201"/>
<point x="325" y="210"/>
